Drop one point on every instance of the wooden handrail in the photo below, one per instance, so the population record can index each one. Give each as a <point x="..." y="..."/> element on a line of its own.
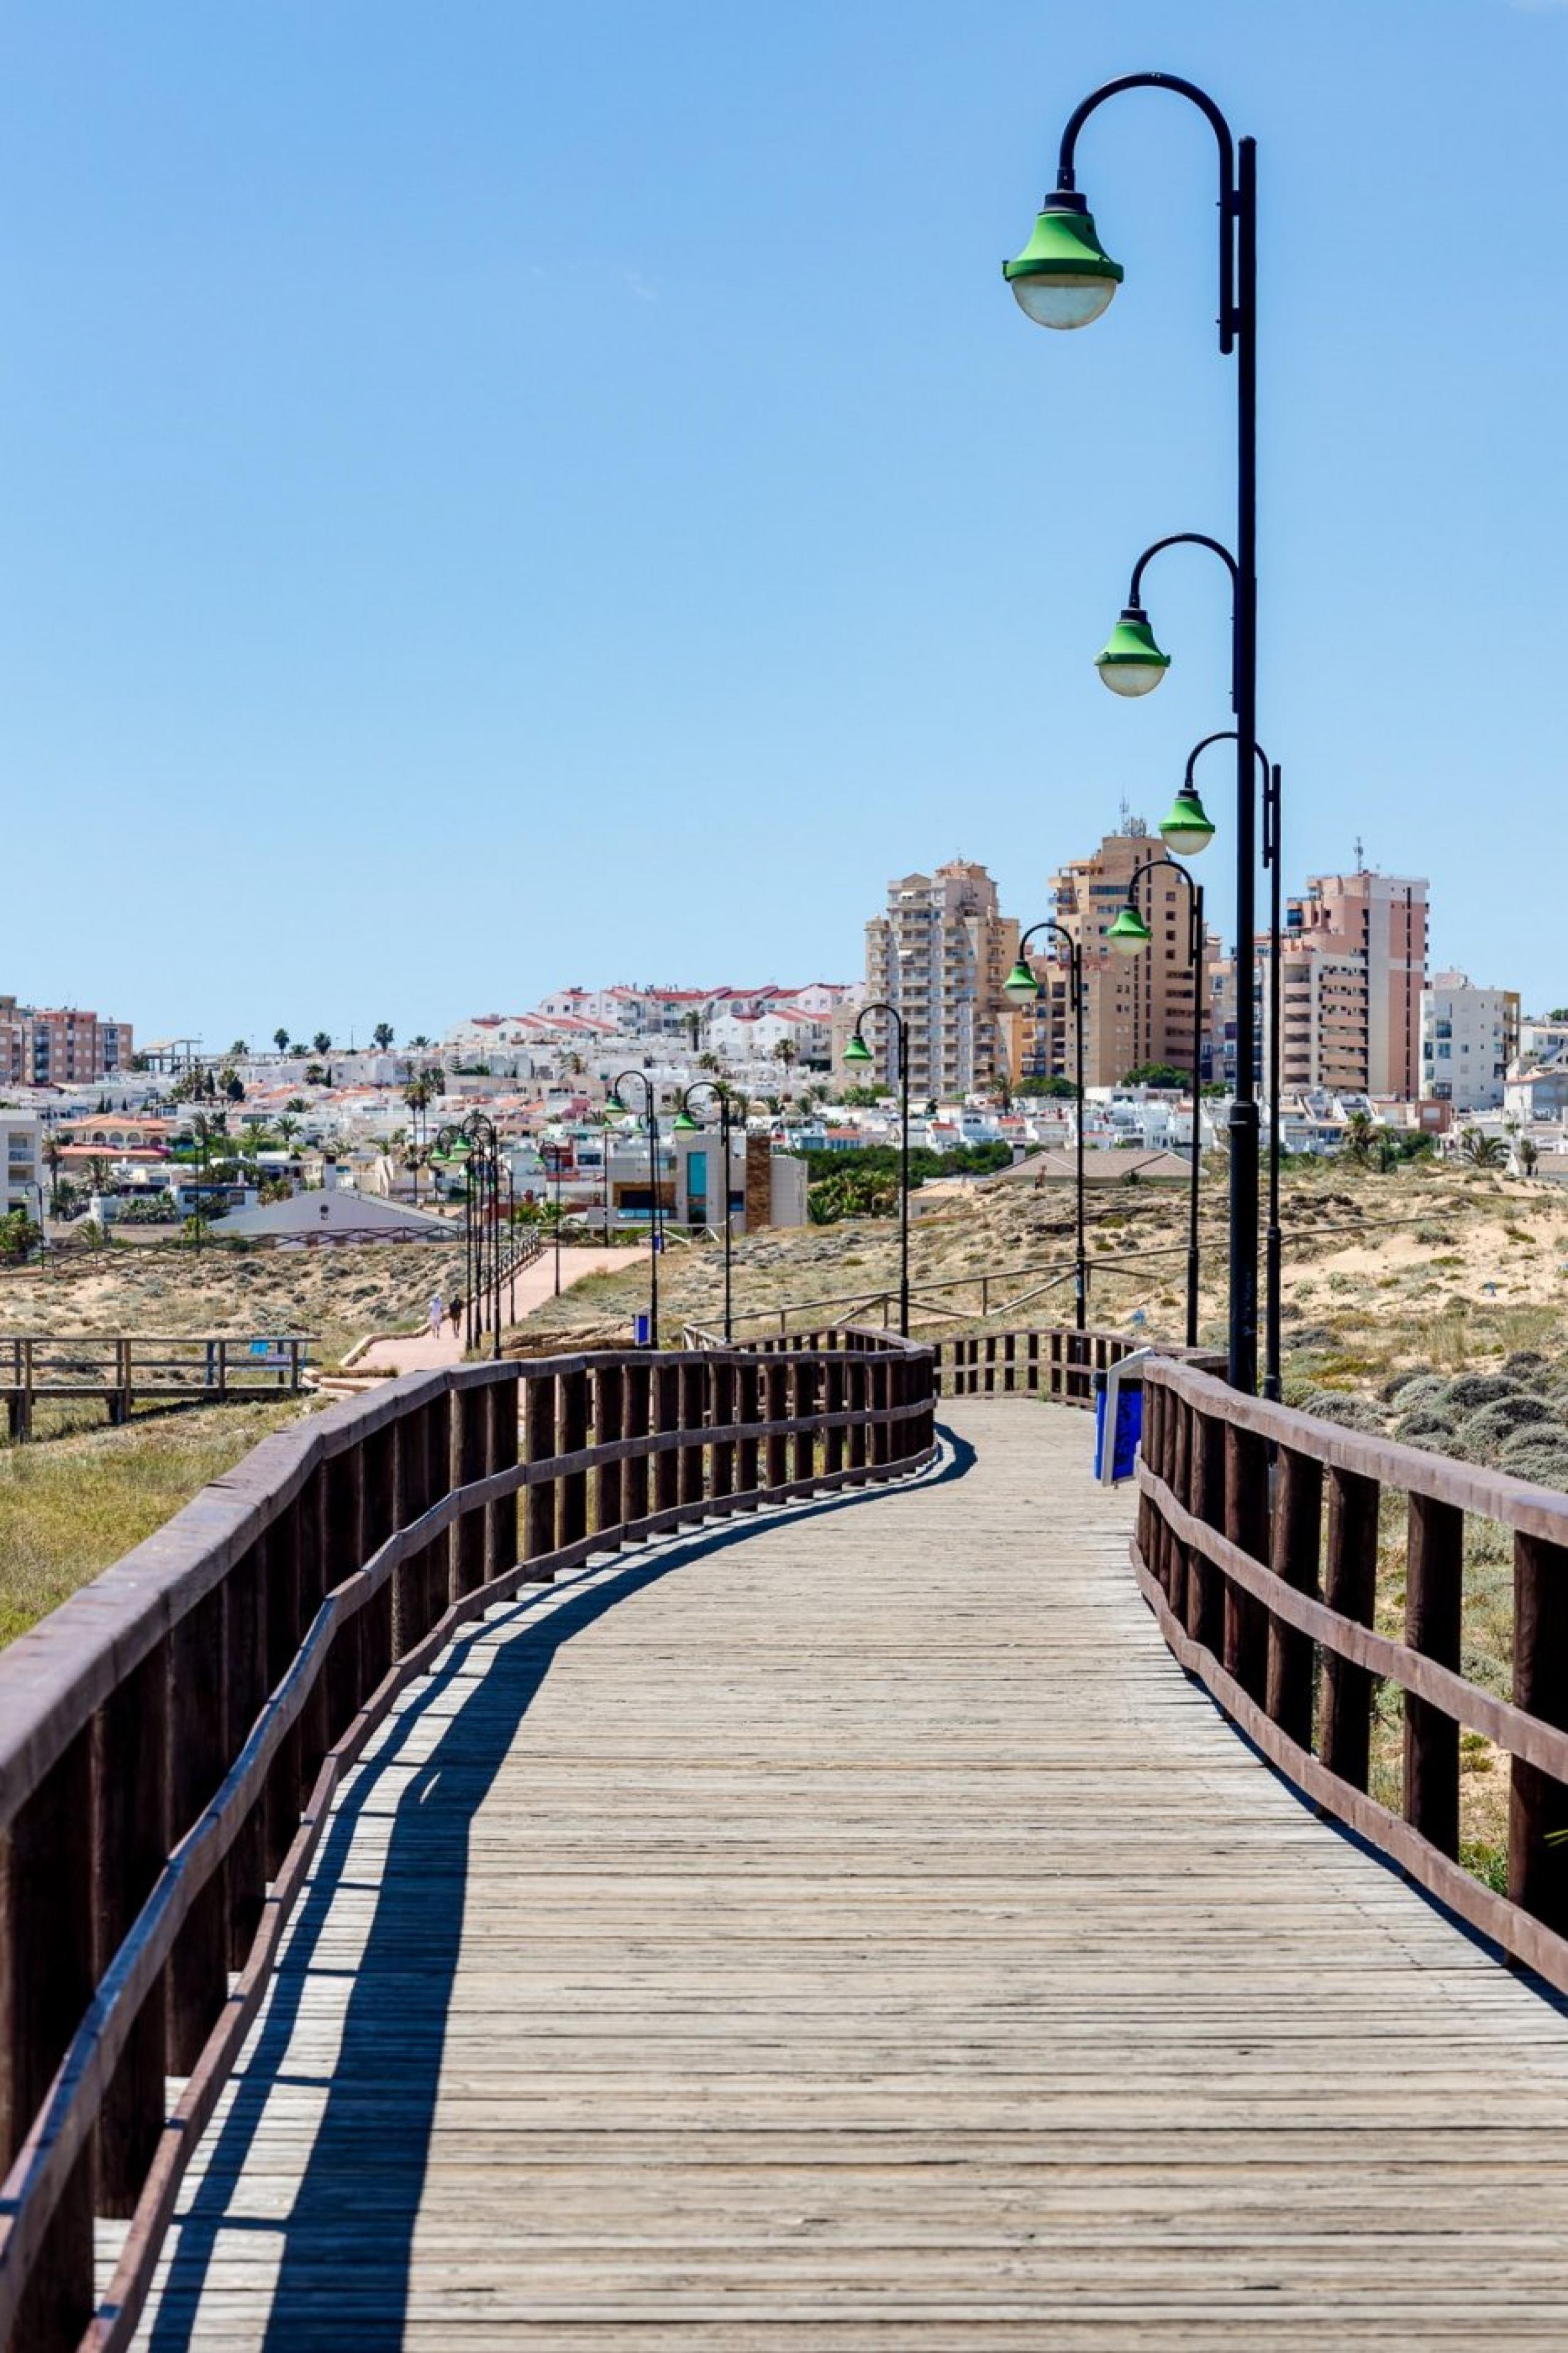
<point x="1257" y="1548"/>
<point x="172" y="1737"/>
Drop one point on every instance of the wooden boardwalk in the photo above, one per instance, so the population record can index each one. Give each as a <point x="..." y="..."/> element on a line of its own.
<point x="853" y="1930"/>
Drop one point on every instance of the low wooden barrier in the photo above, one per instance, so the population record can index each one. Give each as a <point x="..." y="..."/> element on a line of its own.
<point x="172" y="1737"/>
<point x="1257" y="1548"/>
<point x="117" y="1369"/>
<point x="1060" y="1364"/>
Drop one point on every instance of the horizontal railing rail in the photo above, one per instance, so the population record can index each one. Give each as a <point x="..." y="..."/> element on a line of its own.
<point x="1257" y="1549"/>
<point x="171" y="1739"/>
<point x="118" y="1369"/>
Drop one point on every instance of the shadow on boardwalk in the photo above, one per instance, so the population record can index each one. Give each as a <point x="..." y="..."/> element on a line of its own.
<point x="347" y="2241"/>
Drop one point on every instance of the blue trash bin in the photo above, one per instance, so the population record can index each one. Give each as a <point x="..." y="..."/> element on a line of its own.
<point x="641" y="1335"/>
<point x="1128" y="1427"/>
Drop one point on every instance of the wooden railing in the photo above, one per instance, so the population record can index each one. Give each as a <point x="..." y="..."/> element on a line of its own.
<point x="1258" y="1548"/>
<point x="117" y="1369"/>
<point x="172" y="1737"/>
<point x="1058" y="1363"/>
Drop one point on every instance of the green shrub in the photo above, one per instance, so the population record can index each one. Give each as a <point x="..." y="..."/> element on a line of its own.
<point x="1467" y="1390"/>
<point x="1341" y="1406"/>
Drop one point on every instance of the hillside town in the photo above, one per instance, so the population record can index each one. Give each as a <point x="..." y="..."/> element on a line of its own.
<point x="1375" y="1050"/>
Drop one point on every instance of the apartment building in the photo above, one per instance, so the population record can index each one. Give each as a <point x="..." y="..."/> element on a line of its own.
<point x="941" y="954"/>
<point x="21" y="1163"/>
<point x="1469" y="1037"/>
<point x="57" y="1046"/>
<point x="1139" y="1009"/>
<point x="1352" y="968"/>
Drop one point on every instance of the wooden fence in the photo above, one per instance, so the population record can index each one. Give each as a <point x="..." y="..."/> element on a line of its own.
<point x="1257" y="1548"/>
<point x="172" y="1737"/>
<point x="117" y="1370"/>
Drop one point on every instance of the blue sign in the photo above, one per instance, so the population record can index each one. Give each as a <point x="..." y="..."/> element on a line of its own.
<point x="641" y="1334"/>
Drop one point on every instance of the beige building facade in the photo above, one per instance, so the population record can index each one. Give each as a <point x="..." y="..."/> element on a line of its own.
<point x="1139" y="1009"/>
<point x="940" y="954"/>
<point x="1352" y="968"/>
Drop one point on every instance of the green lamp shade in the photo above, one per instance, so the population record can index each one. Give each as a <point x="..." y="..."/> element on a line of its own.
<point x="1064" y="277"/>
<point x="1128" y="935"/>
<point x="612" y="1101"/>
<point x="1020" y="985"/>
<point x="1130" y="663"/>
<point x="857" y="1051"/>
<point x="684" y="1124"/>
<point x="1187" y="829"/>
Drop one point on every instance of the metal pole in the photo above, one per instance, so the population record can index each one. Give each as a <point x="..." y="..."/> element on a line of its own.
<point x="1080" y="1280"/>
<point x="729" y="1218"/>
<point x="653" y="1217"/>
<point x="1243" y="1335"/>
<point x="1272" y="1384"/>
<point x="1197" y="919"/>
<point x="557" y="1160"/>
<point x="903" y="1178"/>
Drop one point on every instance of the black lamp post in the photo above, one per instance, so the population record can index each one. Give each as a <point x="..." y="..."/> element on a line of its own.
<point x="1269" y="781"/>
<point x="1021" y="989"/>
<point x="1064" y="277"/>
<point x="554" y="1172"/>
<point x="686" y="1122"/>
<point x="1131" y="935"/>
<point x="481" y="1265"/>
<point x="617" y="1102"/>
<point x="854" y="1053"/>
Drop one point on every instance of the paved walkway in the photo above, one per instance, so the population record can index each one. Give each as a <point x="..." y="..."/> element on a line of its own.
<point x="418" y="1352"/>
<point x="849" y="1929"/>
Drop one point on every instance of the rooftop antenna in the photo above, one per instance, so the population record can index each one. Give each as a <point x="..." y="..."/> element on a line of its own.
<point x="1360" y="856"/>
<point x="1124" y="812"/>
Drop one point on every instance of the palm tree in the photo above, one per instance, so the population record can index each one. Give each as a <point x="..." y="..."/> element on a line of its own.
<point x="288" y="1129"/>
<point x="239" y="1050"/>
<point x="1361" y="1134"/>
<point x="786" y="1051"/>
<point x="708" y="1062"/>
<point x="1528" y="1152"/>
<point x="381" y="1035"/>
<point x="693" y="1027"/>
<point x="53" y="1151"/>
<point x="321" y="1043"/>
<point x="1481" y="1151"/>
<point x="280" y="1040"/>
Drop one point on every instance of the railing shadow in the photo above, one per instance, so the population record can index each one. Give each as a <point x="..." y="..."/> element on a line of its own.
<point x="348" y="2238"/>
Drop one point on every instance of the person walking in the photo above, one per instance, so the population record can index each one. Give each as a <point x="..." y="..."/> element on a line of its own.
<point x="437" y="1315"/>
<point x="454" y="1310"/>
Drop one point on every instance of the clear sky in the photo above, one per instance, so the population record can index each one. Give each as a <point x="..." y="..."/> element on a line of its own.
<point x="496" y="495"/>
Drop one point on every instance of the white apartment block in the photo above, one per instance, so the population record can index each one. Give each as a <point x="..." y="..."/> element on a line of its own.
<point x="1469" y="1037"/>
<point x="21" y="1162"/>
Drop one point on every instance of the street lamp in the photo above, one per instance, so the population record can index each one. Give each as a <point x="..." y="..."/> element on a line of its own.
<point x="1064" y="277"/>
<point x="1130" y="935"/>
<point x="480" y="1142"/>
<point x="616" y="1101"/>
<point x="1021" y="988"/>
<point x="856" y="1054"/>
<point x="685" y="1124"/>
<point x="553" y="1171"/>
<point x="1186" y="802"/>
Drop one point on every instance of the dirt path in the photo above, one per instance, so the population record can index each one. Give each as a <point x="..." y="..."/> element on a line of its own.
<point x="418" y="1352"/>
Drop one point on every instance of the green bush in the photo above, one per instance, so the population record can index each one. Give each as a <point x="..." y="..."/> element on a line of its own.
<point x="1467" y="1390"/>
<point x="1341" y="1406"/>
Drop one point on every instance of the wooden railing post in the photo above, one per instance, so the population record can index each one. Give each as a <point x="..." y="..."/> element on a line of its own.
<point x="637" y="1386"/>
<point x="244" y="1638"/>
<point x="1247" y="1524"/>
<point x="502" y="1434"/>
<point x="130" y="1804"/>
<point x="572" y="1506"/>
<point x="1432" y="1588"/>
<point x="857" y="1398"/>
<point x="833" y="1402"/>
<point x="1204" y="1499"/>
<point x="775" y="1407"/>
<point x="804" y="1408"/>
<point x="198" y="1756"/>
<point x="1537" y="1804"/>
<point x="881" y="1431"/>
<point x="748" y="1409"/>
<point x="378" y="1481"/>
<point x="1296" y="1536"/>
<point x="693" y="1418"/>
<point x="46" y="1945"/>
<point x="285" y="1632"/>
<point x="539" y="1440"/>
<point x="344" y="1497"/>
<point x="667" y="1418"/>
<point x="609" y="1411"/>
<point x="723" y="1385"/>
<point x="1350" y="1585"/>
<point x="470" y="1416"/>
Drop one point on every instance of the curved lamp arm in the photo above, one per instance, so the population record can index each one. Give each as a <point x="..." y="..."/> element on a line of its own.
<point x="1194" y="899"/>
<point x="1066" y="182"/>
<point x="1075" y="954"/>
<point x="1269" y="775"/>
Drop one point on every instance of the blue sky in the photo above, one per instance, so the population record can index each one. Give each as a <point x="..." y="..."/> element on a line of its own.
<point x="495" y="495"/>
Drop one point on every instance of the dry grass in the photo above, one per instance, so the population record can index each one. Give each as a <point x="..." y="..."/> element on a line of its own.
<point x="71" y="1506"/>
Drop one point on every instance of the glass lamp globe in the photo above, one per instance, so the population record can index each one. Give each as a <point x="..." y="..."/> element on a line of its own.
<point x="1128" y="935"/>
<point x="1064" y="277"/>
<point x="1020" y="987"/>
<point x="857" y="1051"/>
<point x="1130" y="663"/>
<point x="1187" y="830"/>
